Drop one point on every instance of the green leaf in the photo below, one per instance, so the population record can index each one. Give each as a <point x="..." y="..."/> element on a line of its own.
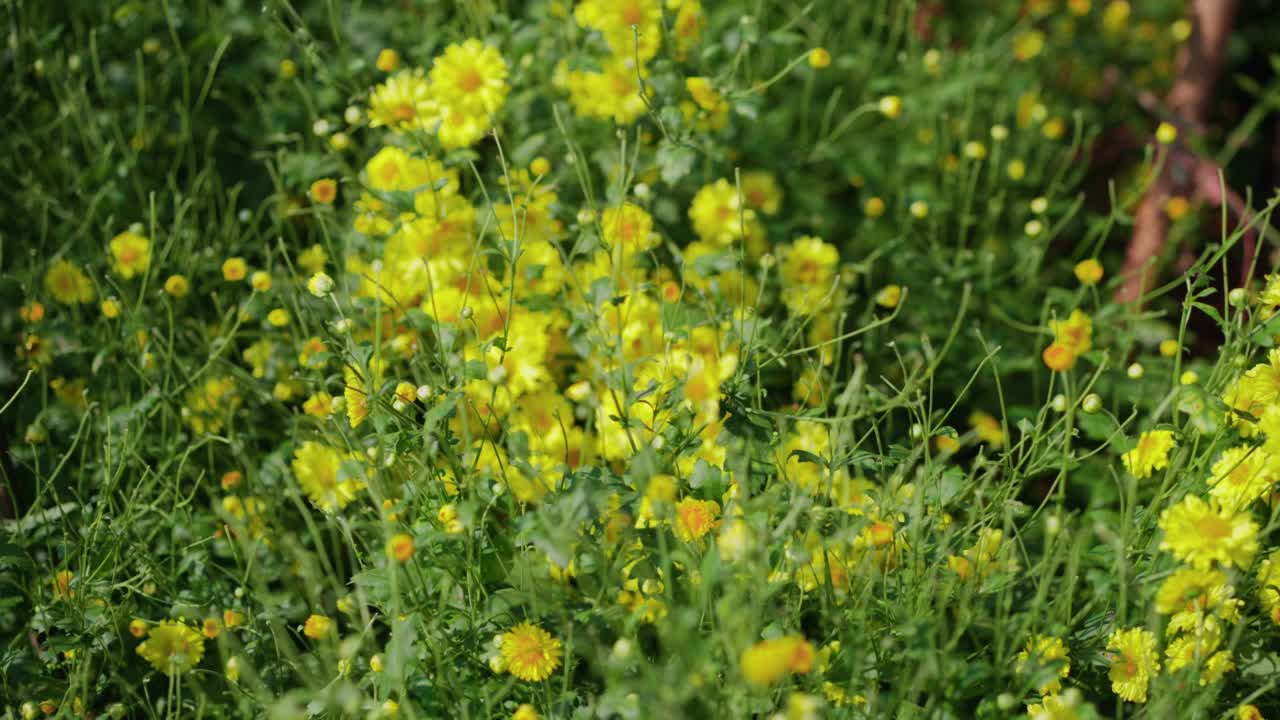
<point x="674" y="161"/>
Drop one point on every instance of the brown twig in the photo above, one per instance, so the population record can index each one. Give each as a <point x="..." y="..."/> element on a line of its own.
<point x="1198" y="67"/>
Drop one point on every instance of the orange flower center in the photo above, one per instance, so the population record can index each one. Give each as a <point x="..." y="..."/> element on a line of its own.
<point x="470" y="81"/>
<point x="1214" y="527"/>
<point x="632" y="14"/>
<point x="405" y="112"/>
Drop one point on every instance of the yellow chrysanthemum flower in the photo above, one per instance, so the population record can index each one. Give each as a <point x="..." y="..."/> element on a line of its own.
<point x="695" y="518"/>
<point x="317" y="627"/>
<point x="1197" y="598"/>
<point x="808" y="272"/>
<point x="1133" y="664"/>
<point x="1201" y="534"/>
<point x="172" y="647"/>
<point x="529" y="652"/>
<point x="613" y="93"/>
<point x="1269" y="585"/>
<point x="615" y="20"/>
<point x="1075" y="333"/>
<point x="1045" y="651"/>
<point x="988" y="429"/>
<point x="1202" y="649"/>
<point x="1150" y="454"/>
<point x="470" y="77"/>
<point x="316" y="467"/>
<point x="769" y="660"/>
<point x="761" y="191"/>
<point x="131" y="254"/>
<point x="628" y="228"/>
<point x="404" y="102"/>
<point x="68" y="284"/>
<point x="1242" y="475"/>
<point x="718" y="215"/>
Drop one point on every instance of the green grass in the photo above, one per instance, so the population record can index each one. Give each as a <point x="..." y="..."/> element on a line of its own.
<point x="682" y="366"/>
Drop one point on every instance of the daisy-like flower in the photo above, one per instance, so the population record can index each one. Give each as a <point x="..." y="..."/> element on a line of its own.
<point x="404" y="102"/>
<point x="130" y="254"/>
<point x="530" y="653"/>
<point x="1254" y="392"/>
<point x="808" y="271"/>
<point x="613" y="93"/>
<point x="470" y="77"/>
<point x="1045" y="652"/>
<point x="761" y="191"/>
<point x="1269" y="585"/>
<point x="717" y="214"/>
<point x="632" y="28"/>
<point x="68" y="284"/>
<point x="316" y="468"/>
<point x="172" y="647"/>
<point x="1134" y="662"/>
<point x="695" y="518"/>
<point x="629" y="228"/>
<point x="1241" y="476"/>
<point x="1150" y="454"/>
<point x="460" y="128"/>
<point x="1201" y="534"/>
<point x="1196" y="598"/>
<point x="769" y="660"/>
<point x="1201" y="649"/>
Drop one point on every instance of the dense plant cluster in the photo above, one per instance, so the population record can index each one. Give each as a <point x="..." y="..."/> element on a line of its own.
<point x="617" y="358"/>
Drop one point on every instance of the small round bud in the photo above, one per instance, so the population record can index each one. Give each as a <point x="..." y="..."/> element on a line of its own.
<point x="1136" y="371"/>
<point x="1237" y="296"/>
<point x="320" y="284"/>
<point x="1091" y="403"/>
<point x="1059" y="403"/>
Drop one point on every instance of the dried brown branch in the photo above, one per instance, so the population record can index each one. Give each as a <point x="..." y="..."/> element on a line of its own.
<point x="1198" y="67"/>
